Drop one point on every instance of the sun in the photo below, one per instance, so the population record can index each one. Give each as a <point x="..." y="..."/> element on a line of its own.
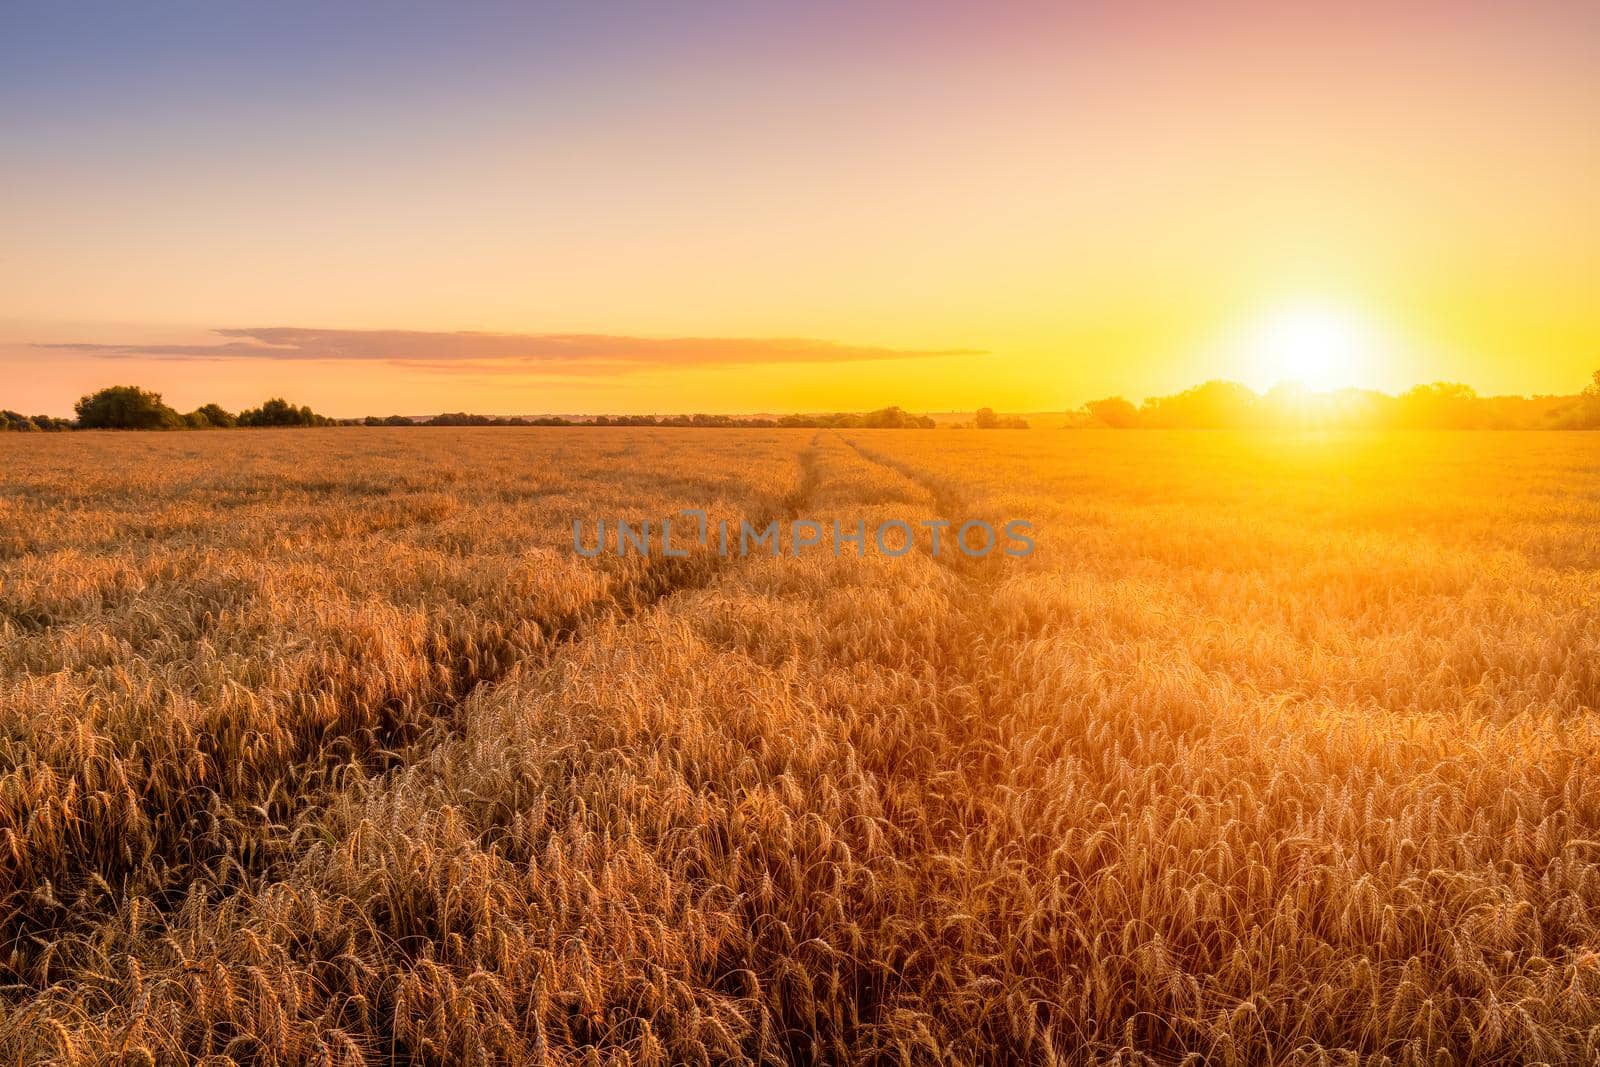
<point x="1317" y="344"/>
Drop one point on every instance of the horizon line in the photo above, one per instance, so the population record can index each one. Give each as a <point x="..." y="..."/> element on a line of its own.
<point x="1285" y="389"/>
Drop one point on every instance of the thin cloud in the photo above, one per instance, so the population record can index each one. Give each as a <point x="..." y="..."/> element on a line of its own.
<point x="508" y="352"/>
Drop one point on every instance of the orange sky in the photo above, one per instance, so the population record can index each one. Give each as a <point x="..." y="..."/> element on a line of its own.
<point x="1057" y="203"/>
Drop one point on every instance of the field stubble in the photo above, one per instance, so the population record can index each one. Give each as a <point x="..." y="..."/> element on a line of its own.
<point x="325" y="746"/>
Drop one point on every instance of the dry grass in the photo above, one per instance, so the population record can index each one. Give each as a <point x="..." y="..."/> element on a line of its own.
<point x="323" y="747"/>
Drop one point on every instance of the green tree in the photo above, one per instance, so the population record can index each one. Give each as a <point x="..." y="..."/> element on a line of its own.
<point x="1114" y="411"/>
<point x="212" y="416"/>
<point x="1441" y="406"/>
<point x="1585" y="415"/>
<point x="895" y="418"/>
<point x="986" y="419"/>
<point x="279" y="412"/>
<point x="1215" y="405"/>
<point x="126" y="407"/>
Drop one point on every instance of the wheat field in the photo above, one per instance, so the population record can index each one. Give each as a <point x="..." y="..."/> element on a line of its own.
<point x="325" y="747"/>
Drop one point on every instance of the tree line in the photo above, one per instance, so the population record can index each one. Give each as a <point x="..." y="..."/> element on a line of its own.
<point x="889" y="418"/>
<point x="1213" y="405"/>
<point x="1438" y="406"/>
<point x="129" y="407"/>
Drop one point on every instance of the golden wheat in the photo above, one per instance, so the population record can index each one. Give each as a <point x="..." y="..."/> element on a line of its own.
<point x="325" y="747"/>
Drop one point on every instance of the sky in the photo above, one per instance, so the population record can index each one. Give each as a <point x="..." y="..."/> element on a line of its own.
<point x="736" y="207"/>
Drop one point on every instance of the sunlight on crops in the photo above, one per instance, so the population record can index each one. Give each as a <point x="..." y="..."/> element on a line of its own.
<point x="325" y="747"/>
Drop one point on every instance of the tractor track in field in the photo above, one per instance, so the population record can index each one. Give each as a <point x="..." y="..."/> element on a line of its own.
<point x="947" y="500"/>
<point x="952" y="503"/>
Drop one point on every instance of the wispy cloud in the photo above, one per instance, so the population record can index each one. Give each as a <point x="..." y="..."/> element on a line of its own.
<point x="565" y="353"/>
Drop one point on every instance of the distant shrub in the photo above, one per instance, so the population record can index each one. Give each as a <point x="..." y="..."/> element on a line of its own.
<point x="14" y="422"/>
<point x="126" y="407"/>
<point x="986" y="419"/>
<point x="460" y="418"/>
<point x="1441" y="405"/>
<point x="1114" y="412"/>
<point x="211" y="416"/>
<point x="894" y="418"/>
<point x="1585" y="414"/>
<point x="1213" y="406"/>
<point x="279" y="412"/>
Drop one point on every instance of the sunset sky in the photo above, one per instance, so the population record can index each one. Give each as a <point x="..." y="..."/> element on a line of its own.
<point x="666" y="207"/>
